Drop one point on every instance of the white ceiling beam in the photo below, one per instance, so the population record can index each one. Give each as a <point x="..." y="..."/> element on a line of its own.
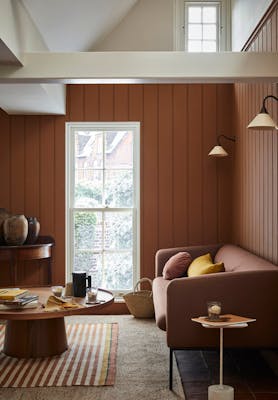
<point x="94" y="67"/>
<point x="32" y="99"/>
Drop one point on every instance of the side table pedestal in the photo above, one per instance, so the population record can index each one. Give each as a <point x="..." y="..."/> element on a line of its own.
<point x="220" y="392"/>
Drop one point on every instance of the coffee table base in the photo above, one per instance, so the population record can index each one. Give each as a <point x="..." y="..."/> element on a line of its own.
<point x="220" y="392"/>
<point x="35" y="338"/>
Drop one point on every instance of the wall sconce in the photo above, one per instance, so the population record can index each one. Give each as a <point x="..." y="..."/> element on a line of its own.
<point x="219" y="151"/>
<point x="263" y="120"/>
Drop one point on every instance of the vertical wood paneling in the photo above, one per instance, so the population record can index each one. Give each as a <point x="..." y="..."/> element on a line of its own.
<point x="180" y="165"/>
<point x="150" y="178"/>
<point x="136" y="113"/>
<point x="258" y="157"/>
<point x="106" y="102"/>
<point x="5" y="170"/>
<point x="121" y="103"/>
<point x="195" y="166"/>
<point x="47" y="177"/>
<point x="17" y="203"/>
<point x="91" y="102"/>
<point x="76" y="102"/>
<point x="165" y="167"/>
<point x="224" y="170"/>
<point x="180" y="187"/>
<point x="59" y="193"/>
<point x="136" y="101"/>
<point x="32" y="166"/>
<point x="5" y="177"/>
<point x="210" y="201"/>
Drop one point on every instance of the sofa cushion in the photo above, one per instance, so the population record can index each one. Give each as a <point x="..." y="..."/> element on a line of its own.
<point x="204" y="265"/>
<point x="237" y="259"/>
<point x="177" y="265"/>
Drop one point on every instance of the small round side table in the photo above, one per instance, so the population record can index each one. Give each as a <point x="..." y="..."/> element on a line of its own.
<point x="221" y="391"/>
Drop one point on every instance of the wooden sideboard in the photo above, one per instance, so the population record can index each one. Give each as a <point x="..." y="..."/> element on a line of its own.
<point x="42" y="249"/>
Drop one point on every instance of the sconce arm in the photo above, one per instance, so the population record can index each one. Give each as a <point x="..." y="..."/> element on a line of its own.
<point x="263" y="109"/>
<point x="232" y="138"/>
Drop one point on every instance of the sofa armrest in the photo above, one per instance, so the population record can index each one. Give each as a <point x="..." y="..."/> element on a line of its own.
<point x="163" y="255"/>
<point x="246" y="293"/>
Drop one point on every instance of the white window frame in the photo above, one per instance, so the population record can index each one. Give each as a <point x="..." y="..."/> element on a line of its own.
<point x="71" y="127"/>
<point x="180" y="23"/>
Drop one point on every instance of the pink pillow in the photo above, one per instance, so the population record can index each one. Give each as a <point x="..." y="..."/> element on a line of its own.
<point x="177" y="265"/>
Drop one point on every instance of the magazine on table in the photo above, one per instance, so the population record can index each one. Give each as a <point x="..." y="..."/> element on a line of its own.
<point x="17" y="298"/>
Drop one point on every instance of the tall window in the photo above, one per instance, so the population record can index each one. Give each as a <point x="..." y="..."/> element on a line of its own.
<point x="202" y="26"/>
<point x="103" y="203"/>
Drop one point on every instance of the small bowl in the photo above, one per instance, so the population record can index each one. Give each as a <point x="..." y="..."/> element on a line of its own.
<point x="57" y="291"/>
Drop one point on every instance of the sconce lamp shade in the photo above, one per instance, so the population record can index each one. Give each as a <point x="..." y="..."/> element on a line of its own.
<point x="218" y="151"/>
<point x="262" y="121"/>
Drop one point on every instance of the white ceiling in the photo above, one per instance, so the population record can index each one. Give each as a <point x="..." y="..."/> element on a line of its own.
<point x="76" y="25"/>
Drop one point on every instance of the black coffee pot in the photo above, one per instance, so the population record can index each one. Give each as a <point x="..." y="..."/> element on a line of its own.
<point x="79" y="283"/>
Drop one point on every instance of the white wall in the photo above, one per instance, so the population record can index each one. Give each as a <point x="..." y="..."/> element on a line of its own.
<point x="245" y="15"/>
<point x="147" y="27"/>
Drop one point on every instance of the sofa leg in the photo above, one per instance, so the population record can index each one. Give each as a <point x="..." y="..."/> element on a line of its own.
<point x="171" y="369"/>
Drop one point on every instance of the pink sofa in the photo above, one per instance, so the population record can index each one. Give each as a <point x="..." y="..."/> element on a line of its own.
<point x="248" y="287"/>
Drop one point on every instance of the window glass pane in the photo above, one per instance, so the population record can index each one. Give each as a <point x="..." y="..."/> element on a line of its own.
<point x="88" y="188"/>
<point x="195" y="31"/>
<point x="194" y="14"/>
<point x="118" y="230"/>
<point x="118" y="149"/>
<point x="209" y="32"/>
<point x="88" y="149"/>
<point x="209" y="46"/>
<point x="118" y="271"/>
<point x="194" y="45"/>
<point x="209" y="14"/>
<point x="87" y="230"/>
<point x="90" y="262"/>
<point x="118" y="188"/>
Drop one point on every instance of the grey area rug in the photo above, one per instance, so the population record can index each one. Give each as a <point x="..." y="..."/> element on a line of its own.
<point x="141" y="367"/>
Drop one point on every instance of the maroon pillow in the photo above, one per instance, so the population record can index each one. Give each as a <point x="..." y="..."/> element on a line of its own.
<point x="177" y="265"/>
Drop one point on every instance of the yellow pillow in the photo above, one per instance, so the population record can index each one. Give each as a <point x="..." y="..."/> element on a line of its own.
<point x="204" y="265"/>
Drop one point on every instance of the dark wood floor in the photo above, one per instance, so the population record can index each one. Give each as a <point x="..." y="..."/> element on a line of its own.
<point x="252" y="373"/>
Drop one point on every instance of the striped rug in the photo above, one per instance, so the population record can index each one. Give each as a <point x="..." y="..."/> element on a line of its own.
<point x="89" y="361"/>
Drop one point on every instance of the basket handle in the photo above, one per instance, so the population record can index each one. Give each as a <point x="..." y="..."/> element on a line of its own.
<point x="143" y="280"/>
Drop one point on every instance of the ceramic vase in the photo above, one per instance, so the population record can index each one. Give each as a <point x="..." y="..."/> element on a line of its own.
<point x="33" y="230"/>
<point x="15" y="230"/>
<point x="3" y="215"/>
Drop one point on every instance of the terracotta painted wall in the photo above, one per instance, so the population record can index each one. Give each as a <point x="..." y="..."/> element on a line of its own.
<point x="256" y="203"/>
<point x="186" y="198"/>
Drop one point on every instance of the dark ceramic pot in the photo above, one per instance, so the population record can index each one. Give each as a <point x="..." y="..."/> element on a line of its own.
<point x="15" y="230"/>
<point x="33" y="230"/>
<point x="3" y="215"/>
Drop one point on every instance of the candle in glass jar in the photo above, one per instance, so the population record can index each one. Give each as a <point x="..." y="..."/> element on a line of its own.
<point x="214" y="309"/>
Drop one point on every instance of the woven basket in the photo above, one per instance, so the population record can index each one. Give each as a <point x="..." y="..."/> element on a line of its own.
<point x="140" y="302"/>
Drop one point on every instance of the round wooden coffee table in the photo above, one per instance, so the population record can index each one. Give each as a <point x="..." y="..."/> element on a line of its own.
<point x="34" y="332"/>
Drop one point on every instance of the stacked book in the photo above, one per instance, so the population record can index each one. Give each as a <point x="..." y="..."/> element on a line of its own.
<point x="17" y="298"/>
